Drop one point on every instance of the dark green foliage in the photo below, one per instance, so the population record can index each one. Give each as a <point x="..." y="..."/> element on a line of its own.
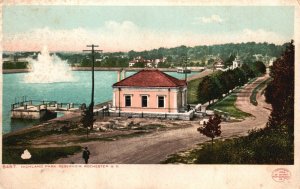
<point x="15" y="65"/>
<point x="271" y="145"/>
<point x="255" y="91"/>
<point x="229" y="60"/>
<point x="275" y="143"/>
<point x="38" y="155"/>
<point x="87" y="119"/>
<point x="280" y="92"/>
<point x="220" y="85"/>
<point x="139" y="65"/>
<point x="240" y="76"/>
<point x="164" y="65"/>
<point x="214" y="86"/>
<point x="208" y="89"/>
<point x="249" y="73"/>
<point x="258" y="68"/>
<point x="226" y="52"/>
<point x="197" y="54"/>
<point x="263" y="146"/>
<point x="212" y="128"/>
<point x="113" y="62"/>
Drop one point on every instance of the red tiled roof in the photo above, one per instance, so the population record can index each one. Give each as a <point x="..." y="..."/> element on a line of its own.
<point x="150" y="78"/>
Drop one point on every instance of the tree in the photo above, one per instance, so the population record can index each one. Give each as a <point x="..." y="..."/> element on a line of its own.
<point x="231" y="79"/>
<point x="280" y="92"/>
<point x="242" y="79"/>
<point x="221" y="86"/>
<point x="208" y="89"/>
<point x="139" y="65"/>
<point x="229" y="60"/>
<point x="258" y="68"/>
<point x="163" y="65"/>
<point x="248" y="72"/>
<point x="87" y="119"/>
<point x="212" y="128"/>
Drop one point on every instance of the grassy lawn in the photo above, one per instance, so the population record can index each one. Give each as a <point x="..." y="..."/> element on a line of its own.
<point x="260" y="147"/>
<point x="23" y="139"/>
<point x="193" y="90"/>
<point x="227" y="106"/>
<point x="255" y="91"/>
<point x="186" y="157"/>
<point x="12" y="145"/>
<point x="38" y="155"/>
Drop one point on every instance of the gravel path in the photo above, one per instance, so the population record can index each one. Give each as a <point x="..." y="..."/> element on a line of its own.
<point x="155" y="147"/>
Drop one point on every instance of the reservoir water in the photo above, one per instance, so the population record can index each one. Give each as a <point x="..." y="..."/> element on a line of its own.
<point x="77" y="91"/>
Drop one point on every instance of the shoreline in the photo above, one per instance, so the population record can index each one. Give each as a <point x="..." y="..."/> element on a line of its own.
<point x="66" y="117"/>
<point x="11" y="71"/>
<point x="28" y="129"/>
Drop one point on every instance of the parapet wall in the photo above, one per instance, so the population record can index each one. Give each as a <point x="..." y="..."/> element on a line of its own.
<point x="180" y="116"/>
<point x="17" y="114"/>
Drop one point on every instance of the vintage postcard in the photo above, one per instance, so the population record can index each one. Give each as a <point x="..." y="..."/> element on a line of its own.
<point x="139" y="94"/>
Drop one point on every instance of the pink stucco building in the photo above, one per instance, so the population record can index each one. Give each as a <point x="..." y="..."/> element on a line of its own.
<point x="150" y="90"/>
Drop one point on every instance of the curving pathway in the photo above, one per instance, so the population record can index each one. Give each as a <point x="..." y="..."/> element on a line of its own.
<point x="153" y="148"/>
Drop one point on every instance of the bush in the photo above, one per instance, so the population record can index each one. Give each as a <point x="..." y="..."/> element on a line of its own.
<point x="265" y="146"/>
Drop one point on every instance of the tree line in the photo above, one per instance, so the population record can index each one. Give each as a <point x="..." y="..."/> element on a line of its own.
<point x="198" y="55"/>
<point x="15" y="65"/>
<point x="216" y="85"/>
<point x="280" y="93"/>
<point x="273" y="144"/>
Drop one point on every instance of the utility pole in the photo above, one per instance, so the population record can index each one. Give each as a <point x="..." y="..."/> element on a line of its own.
<point x="91" y="107"/>
<point x="93" y="67"/>
<point x="184" y="61"/>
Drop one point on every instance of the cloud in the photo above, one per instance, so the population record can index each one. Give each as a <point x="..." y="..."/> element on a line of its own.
<point x="126" y="36"/>
<point x="212" y="19"/>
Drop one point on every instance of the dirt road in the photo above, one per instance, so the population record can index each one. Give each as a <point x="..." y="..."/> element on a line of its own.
<point x="153" y="148"/>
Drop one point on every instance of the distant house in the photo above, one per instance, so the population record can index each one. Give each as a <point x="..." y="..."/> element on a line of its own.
<point x="150" y="90"/>
<point x="271" y="61"/>
<point x="131" y="63"/>
<point x="98" y="59"/>
<point x="237" y="62"/>
<point x="159" y="61"/>
<point x="219" y="64"/>
<point x="148" y="63"/>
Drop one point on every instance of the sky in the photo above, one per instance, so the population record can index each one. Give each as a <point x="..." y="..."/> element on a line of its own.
<point x="125" y="28"/>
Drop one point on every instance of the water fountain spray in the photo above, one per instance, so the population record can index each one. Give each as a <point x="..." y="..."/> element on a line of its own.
<point x="48" y="69"/>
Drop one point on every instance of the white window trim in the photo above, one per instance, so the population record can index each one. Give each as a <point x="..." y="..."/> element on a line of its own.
<point x="125" y="100"/>
<point x="157" y="100"/>
<point x="142" y="100"/>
